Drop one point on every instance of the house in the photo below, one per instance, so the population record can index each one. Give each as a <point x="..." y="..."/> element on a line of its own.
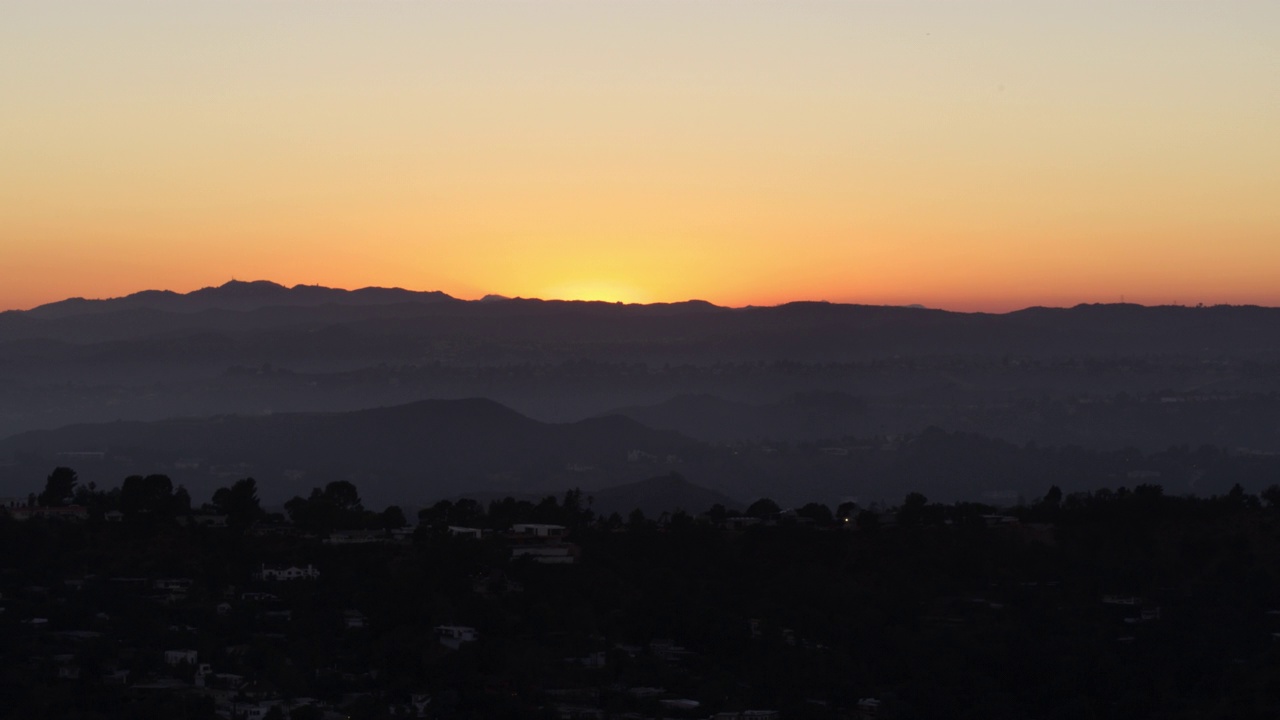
<point x="595" y="660"/>
<point x="178" y="657"/>
<point x="453" y="636"/>
<point x="668" y="650"/>
<point x="175" y="585"/>
<point x="286" y="573"/>
<point x="210" y="521"/>
<point x="67" y="667"/>
<point x="739" y="523"/>
<point x="868" y="708"/>
<point x="997" y="520"/>
<point x="538" y="530"/>
<point x="541" y="543"/>
<point x="354" y="619"/>
<point x="470" y="532"/>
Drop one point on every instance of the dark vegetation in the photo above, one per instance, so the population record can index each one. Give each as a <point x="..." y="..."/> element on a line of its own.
<point x="1115" y="603"/>
<point x="417" y="454"/>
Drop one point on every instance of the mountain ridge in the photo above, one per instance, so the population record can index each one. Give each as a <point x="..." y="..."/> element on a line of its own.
<point x="236" y="295"/>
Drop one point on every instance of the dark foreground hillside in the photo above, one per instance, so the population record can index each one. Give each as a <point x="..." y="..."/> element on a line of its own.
<point x="1111" y="604"/>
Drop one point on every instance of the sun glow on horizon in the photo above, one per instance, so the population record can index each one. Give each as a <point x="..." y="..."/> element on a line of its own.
<point x="959" y="155"/>
<point x="596" y="291"/>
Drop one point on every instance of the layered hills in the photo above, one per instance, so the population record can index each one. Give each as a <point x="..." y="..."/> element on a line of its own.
<point x="288" y="367"/>
<point x="409" y="453"/>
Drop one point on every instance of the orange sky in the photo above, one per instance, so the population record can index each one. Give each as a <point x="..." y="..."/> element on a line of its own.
<point x="968" y="155"/>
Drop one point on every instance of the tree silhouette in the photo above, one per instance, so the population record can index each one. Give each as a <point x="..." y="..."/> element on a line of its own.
<point x="912" y="511"/>
<point x="393" y="517"/>
<point x="343" y="494"/>
<point x="59" y="487"/>
<point x="817" y="512"/>
<point x="150" y="495"/>
<point x="239" y="503"/>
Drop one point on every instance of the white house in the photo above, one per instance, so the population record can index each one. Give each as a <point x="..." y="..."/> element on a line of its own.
<point x="538" y="530"/>
<point x="178" y="657"/>
<point x="172" y="584"/>
<point x="453" y="636"/>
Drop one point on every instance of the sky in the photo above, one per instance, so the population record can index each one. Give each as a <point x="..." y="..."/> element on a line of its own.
<point x="965" y="154"/>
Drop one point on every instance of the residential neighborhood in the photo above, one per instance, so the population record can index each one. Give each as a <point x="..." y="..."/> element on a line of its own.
<point x="520" y="609"/>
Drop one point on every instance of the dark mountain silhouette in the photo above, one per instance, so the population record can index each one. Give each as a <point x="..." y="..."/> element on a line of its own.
<point x="236" y="295"/>
<point x="420" y="451"/>
<point x="692" y="331"/>
<point x="798" y="371"/>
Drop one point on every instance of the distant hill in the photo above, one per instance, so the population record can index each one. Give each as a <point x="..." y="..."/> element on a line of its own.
<point x="801" y="371"/>
<point x="236" y="295"/>
<point x="801" y="416"/>
<point x="654" y="496"/>
<point x="266" y="318"/>
<point x="416" y="452"/>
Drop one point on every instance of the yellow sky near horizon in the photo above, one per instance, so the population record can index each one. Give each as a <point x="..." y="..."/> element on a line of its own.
<point x="969" y="155"/>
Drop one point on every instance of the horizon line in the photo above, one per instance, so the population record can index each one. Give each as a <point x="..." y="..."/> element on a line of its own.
<point x="498" y="297"/>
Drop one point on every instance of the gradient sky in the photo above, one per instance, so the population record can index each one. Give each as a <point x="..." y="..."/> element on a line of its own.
<point x="961" y="154"/>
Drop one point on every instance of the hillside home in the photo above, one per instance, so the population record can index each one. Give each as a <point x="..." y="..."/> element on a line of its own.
<point x="172" y="584"/>
<point x="538" y="530"/>
<point x="453" y="636"/>
<point x="178" y="657"/>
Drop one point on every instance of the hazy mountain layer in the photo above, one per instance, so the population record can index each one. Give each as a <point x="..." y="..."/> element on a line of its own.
<point x="404" y="454"/>
<point x="255" y="348"/>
